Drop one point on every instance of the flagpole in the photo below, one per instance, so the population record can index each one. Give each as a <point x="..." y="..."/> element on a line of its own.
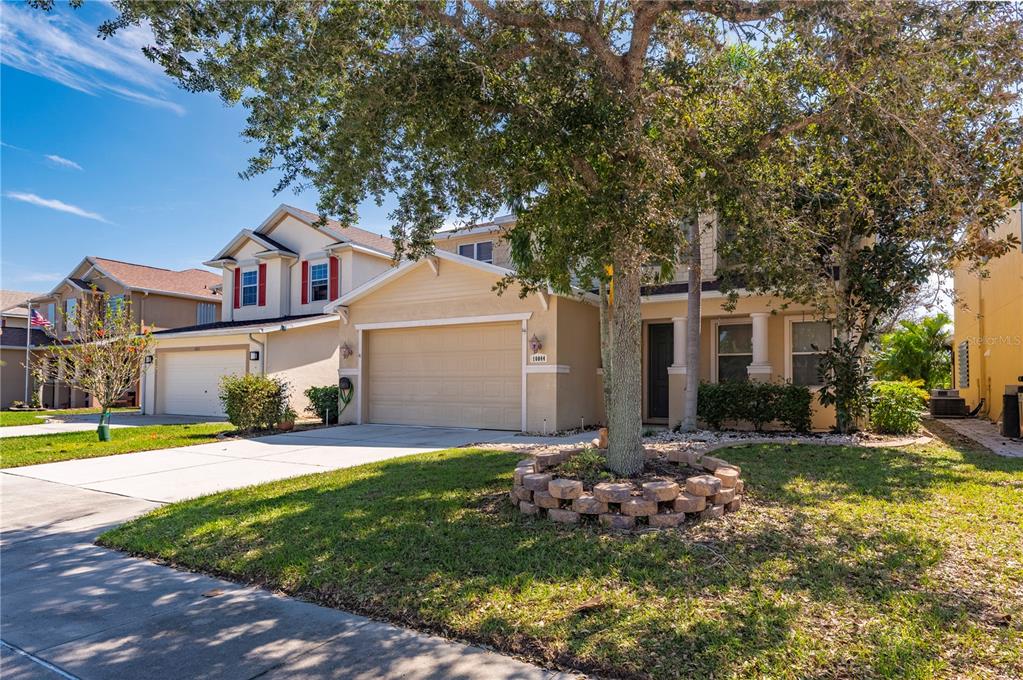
<point x="28" y="356"/>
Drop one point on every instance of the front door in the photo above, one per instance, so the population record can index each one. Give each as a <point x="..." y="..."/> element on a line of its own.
<point x="660" y="348"/>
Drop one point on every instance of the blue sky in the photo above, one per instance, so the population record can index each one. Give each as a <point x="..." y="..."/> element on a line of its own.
<point x="103" y="155"/>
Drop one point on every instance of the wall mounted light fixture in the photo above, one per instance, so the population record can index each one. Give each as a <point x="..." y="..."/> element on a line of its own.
<point x="149" y="359"/>
<point x="254" y="355"/>
<point x="534" y="344"/>
<point x="346" y="351"/>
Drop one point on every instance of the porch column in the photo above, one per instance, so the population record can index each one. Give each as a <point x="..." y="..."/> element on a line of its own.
<point x="677" y="370"/>
<point x="760" y="369"/>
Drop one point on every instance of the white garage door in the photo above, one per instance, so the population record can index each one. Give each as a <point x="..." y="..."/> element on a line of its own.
<point x="189" y="382"/>
<point x="455" y="376"/>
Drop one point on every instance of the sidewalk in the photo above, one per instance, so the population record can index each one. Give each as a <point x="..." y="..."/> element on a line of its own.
<point x="985" y="433"/>
<point x="96" y="613"/>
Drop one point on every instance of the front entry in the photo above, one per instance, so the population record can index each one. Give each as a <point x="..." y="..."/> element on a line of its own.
<point x="660" y="349"/>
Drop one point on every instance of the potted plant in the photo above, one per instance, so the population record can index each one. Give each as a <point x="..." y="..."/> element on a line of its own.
<point x="287" y="421"/>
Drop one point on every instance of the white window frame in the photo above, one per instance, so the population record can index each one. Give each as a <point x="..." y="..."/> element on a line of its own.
<point x="475" y="250"/>
<point x="789" y="320"/>
<point x="317" y="263"/>
<point x="70" y="312"/>
<point x="737" y="321"/>
<point x="254" y="286"/>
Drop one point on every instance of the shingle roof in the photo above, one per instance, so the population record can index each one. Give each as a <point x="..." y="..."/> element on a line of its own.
<point x="216" y="325"/>
<point x="187" y="282"/>
<point x="15" y="337"/>
<point x="10" y="299"/>
<point x="357" y="235"/>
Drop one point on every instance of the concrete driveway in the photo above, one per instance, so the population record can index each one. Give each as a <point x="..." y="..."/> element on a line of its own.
<point x="171" y="475"/>
<point x="71" y="609"/>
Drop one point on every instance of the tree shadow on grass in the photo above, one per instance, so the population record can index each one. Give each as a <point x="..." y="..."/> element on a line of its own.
<point x="413" y="540"/>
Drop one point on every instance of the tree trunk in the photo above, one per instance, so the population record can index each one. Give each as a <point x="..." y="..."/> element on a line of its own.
<point x="624" y="417"/>
<point x="605" y="347"/>
<point x="693" y="329"/>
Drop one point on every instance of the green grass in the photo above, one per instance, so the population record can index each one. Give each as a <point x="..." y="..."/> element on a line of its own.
<point x="50" y="448"/>
<point x="845" y="563"/>
<point x="13" y="418"/>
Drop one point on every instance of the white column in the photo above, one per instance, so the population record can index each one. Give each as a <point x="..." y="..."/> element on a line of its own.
<point x="761" y="367"/>
<point x="679" y="335"/>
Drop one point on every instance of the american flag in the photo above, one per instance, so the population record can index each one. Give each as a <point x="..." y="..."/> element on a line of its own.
<point x="39" y="320"/>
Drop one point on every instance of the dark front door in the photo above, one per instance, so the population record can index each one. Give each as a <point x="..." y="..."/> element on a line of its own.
<point x="660" y="347"/>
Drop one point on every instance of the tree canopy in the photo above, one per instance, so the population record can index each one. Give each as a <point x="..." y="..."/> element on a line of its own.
<point x="604" y="125"/>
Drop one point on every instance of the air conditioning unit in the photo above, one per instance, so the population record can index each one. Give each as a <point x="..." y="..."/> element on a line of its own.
<point x="944" y="393"/>
<point x="947" y="407"/>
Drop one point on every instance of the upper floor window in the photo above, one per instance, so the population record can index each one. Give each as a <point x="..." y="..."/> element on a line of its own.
<point x="206" y="312"/>
<point x="319" y="282"/>
<point x="250" y="287"/>
<point x="70" y="309"/>
<point x="482" y="251"/>
<point x="734" y="351"/>
<point x="810" y="340"/>
<point x="114" y="303"/>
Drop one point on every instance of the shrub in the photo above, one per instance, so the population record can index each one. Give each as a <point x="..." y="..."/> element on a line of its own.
<point x="895" y="406"/>
<point x="324" y="401"/>
<point x="794" y="407"/>
<point x="589" y="466"/>
<point x="757" y="403"/>
<point x="254" y="402"/>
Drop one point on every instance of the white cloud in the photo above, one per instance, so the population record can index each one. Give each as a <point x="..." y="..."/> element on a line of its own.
<point x="54" y="204"/>
<point x="62" y="162"/>
<point x="41" y="277"/>
<point x="63" y="48"/>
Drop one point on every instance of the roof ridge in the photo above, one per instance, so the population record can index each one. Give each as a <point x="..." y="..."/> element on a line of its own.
<point x="133" y="264"/>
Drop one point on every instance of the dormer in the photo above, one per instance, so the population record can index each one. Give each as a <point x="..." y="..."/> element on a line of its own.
<point x="293" y="264"/>
<point x="483" y="242"/>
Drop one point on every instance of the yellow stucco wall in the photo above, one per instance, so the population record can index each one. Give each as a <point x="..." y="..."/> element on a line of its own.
<point x="988" y="318"/>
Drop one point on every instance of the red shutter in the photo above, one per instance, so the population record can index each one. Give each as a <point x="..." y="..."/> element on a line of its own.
<point x="237" y="288"/>
<point x="262" y="284"/>
<point x="305" y="282"/>
<point x="335" y="275"/>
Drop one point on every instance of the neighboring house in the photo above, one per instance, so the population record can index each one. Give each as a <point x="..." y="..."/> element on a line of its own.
<point x="13" y="322"/>
<point x="160" y="298"/>
<point x="431" y="343"/>
<point x="988" y="336"/>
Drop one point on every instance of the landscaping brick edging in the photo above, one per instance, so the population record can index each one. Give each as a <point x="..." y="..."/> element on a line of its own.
<point x="660" y="504"/>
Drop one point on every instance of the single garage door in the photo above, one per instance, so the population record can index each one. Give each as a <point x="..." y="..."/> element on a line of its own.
<point x="189" y="381"/>
<point x="454" y="376"/>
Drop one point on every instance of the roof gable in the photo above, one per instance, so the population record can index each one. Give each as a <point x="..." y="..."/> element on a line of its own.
<point x="192" y="282"/>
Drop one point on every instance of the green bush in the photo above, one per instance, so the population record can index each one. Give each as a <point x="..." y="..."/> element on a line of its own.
<point x="324" y="402"/>
<point x="254" y="402"/>
<point x="757" y="403"/>
<point x="793" y="407"/>
<point x="895" y="406"/>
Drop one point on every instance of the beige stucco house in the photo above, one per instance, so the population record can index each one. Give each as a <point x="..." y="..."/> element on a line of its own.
<point x="160" y="298"/>
<point x="431" y="343"/>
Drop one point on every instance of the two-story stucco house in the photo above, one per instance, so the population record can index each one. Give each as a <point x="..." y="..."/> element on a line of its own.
<point x="160" y="298"/>
<point x="431" y="343"/>
<point x="988" y="338"/>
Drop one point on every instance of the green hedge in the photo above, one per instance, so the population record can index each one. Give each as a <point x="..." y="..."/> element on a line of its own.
<point x="895" y="406"/>
<point x="324" y="402"/>
<point x="254" y="402"/>
<point x="757" y="403"/>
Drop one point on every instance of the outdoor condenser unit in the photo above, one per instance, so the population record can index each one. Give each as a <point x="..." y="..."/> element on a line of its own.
<point x="947" y="404"/>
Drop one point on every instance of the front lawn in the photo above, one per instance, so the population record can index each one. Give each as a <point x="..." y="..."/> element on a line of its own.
<point x="844" y="562"/>
<point x="50" y="448"/>
<point x="14" y="418"/>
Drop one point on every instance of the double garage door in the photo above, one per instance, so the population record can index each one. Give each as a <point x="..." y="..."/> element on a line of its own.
<point x="188" y="382"/>
<point x="454" y="376"/>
